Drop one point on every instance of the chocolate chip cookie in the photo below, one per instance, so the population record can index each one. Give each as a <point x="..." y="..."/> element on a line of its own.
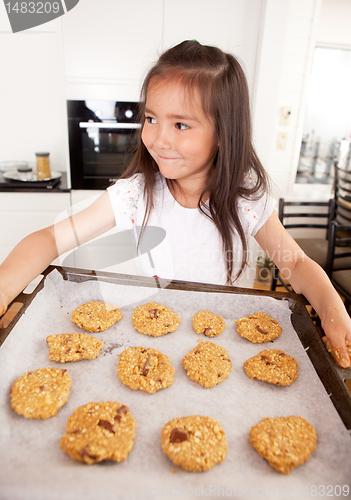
<point x="155" y="319"/>
<point x="146" y="369"/>
<point x="96" y="316"/>
<point x="208" y="364"/>
<point x="73" y="347"/>
<point x="285" y="442"/>
<point x="258" y="328"/>
<point x="99" y="431"/>
<point x="194" y="443"/>
<point x="208" y="323"/>
<point x="273" y="366"/>
<point x="40" y="393"/>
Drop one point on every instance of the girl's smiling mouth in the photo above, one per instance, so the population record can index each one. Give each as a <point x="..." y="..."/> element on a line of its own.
<point x="166" y="158"/>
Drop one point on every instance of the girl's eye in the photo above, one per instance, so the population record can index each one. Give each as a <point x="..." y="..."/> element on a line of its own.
<point x="149" y="119"/>
<point x="182" y="126"/>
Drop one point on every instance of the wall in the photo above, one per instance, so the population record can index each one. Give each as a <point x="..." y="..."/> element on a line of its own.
<point x="334" y="24"/>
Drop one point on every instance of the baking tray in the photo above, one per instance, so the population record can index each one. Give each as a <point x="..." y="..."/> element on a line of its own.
<point x="332" y="377"/>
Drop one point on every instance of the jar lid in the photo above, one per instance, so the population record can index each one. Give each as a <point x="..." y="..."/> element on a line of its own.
<point x="24" y="168"/>
<point x="42" y="154"/>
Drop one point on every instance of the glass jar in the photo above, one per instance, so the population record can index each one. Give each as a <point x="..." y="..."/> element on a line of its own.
<point x="24" y="172"/>
<point x="43" y="166"/>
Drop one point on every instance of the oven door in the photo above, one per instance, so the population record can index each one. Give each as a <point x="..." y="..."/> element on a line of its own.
<point x="100" y="152"/>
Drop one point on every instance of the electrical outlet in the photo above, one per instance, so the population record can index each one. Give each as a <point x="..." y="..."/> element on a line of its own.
<point x="285" y="115"/>
<point x="282" y="140"/>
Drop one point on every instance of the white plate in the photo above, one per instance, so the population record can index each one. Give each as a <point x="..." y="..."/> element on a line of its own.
<point x="5" y="166"/>
<point x="16" y="176"/>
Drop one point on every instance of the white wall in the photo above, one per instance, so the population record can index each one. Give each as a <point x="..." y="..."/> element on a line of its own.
<point x="334" y="25"/>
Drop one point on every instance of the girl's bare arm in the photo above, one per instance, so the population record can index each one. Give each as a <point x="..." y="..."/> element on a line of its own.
<point x="35" y="252"/>
<point x="309" y="279"/>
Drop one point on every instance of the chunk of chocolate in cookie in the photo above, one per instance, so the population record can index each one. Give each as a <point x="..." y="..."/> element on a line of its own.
<point x="285" y="442"/>
<point x="41" y="393"/>
<point x="155" y="319"/>
<point x="272" y="366"/>
<point x="145" y="368"/>
<point x="208" y="364"/>
<point x="208" y="323"/>
<point x="99" y="431"/>
<point x="258" y="328"/>
<point x="96" y="316"/>
<point x="73" y="347"/>
<point x="195" y="443"/>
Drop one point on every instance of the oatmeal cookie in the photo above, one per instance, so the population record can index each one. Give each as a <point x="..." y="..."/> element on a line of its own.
<point x="96" y="316"/>
<point x="194" y="443"/>
<point x="40" y="393"/>
<point x="273" y="366"/>
<point x="146" y="369"/>
<point x="285" y="442"/>
<point x="208" y="323"/>
<point x="99" y="431"/>
<point x="73" y="347"/>
<point x="208" y="364"/>
<point x="258" y="328"/>
<point x="155" y="319"/>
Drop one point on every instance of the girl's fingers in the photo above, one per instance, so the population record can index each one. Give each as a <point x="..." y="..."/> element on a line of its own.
<point x="3" y="305"/>
<point x="341" y="354"/>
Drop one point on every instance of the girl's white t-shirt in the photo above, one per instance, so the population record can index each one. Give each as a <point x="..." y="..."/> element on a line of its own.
<point x="180" y="243"/>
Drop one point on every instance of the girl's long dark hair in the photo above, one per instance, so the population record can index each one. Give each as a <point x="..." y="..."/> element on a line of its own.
<point x="221" y="82"/>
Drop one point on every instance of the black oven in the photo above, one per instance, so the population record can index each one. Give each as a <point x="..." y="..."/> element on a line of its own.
<point x="102" y="139"/>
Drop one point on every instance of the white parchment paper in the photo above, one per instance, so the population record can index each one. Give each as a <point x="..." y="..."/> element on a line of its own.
<point x="33" y="467"/>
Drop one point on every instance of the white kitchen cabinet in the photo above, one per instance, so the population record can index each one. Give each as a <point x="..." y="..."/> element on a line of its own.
<point x="109" y="45"/>
<point x="111" y="252"/>
<point x="231" y="25"/>
<point x="23" y="213"/>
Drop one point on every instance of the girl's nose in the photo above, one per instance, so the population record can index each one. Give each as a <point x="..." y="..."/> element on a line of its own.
<point x="162" y="139"/>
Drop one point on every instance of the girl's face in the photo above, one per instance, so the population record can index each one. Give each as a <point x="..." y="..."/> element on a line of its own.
<point x="178" y="135"/>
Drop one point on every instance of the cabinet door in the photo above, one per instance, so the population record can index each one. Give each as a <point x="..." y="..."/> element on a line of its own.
<point x="24" y="213"/>
<point x="231" y="25"/>
<point x="109" y="45"/>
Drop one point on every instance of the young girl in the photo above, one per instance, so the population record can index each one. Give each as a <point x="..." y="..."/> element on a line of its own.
<point x="196" y="175"/>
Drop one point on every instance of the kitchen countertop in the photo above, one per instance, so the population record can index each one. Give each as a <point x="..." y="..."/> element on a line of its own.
<point x="56" y="186"/>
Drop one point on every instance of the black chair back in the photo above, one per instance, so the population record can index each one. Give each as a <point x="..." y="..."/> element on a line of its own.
<point x="308" y="215"/>
<point x="338" y="265"/>
<point x="342" y="194"/>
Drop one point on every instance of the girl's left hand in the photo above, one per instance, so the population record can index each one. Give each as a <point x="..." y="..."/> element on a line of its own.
<point x="4" y="301"/>
<point x="337" y="328"/>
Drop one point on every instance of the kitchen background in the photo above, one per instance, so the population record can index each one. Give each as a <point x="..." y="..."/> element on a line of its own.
<point x="102" y="50"/>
